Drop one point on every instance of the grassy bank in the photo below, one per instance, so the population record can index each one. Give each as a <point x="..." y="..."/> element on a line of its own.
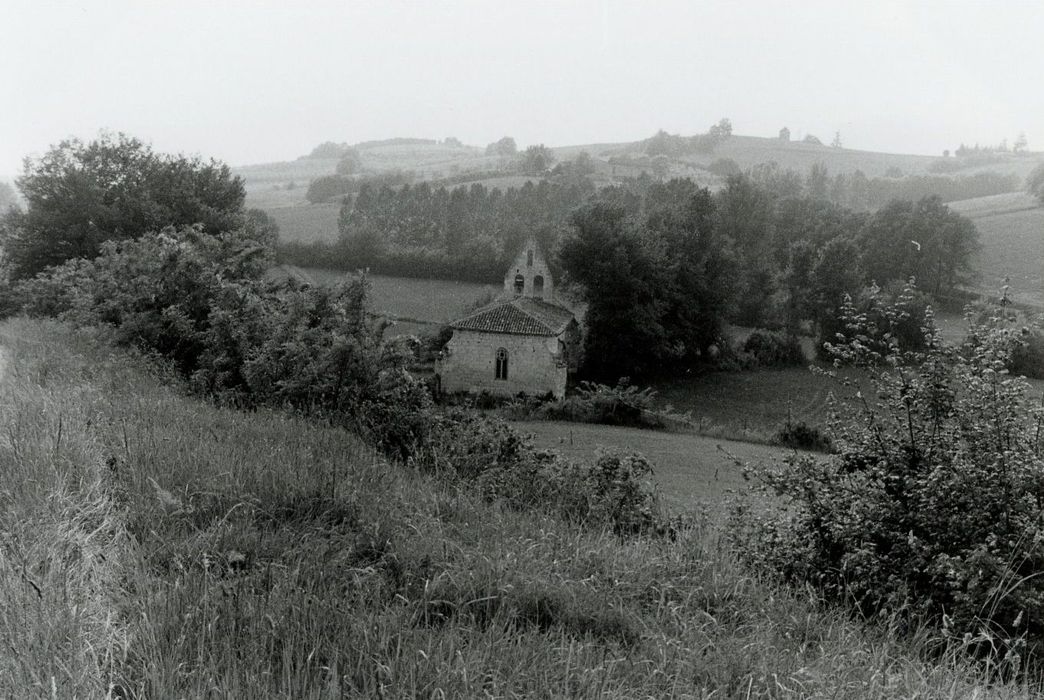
<point x="153" y="546"/>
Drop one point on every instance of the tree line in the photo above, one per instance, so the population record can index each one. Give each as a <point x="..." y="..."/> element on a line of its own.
<point x="663" y="267"/>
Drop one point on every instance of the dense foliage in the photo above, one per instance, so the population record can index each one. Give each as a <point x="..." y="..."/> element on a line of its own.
<point x="932" y="507"/>
<point x="657" y="277"/>
<point x="80" y="195"/>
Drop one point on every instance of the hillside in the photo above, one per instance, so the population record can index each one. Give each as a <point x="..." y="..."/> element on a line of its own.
<point x="1011" y="229"/>
<point x="171" y="548"/>
<point x="279" y="188"/>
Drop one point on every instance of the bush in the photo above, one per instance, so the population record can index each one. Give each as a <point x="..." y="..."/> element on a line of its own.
<point x="801" y="436"/>
<point x="774" y="349"/>
<point x="622" y="404"/>
<point x="931" y="511"/>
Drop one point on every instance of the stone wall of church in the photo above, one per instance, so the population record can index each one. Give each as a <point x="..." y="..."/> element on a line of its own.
<point x="530" y="265"/>
<point x="534" y="364"/>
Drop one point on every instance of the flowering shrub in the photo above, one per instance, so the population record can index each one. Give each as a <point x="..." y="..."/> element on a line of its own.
<point x="932" y="507"/>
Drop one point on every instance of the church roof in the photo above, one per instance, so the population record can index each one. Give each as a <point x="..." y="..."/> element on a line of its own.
<point x="520" y="316"/>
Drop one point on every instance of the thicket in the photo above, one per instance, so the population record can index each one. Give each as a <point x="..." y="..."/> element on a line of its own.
<point x="930" y="511"/>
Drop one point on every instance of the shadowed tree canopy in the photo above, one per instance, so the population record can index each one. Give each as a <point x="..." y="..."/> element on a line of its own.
<point x="657" y="278"/>
<point x="79" y="195"/>
<point x="925" y="240"/>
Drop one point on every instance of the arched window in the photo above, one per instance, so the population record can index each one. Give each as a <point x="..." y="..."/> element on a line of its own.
<point x="538" y="286"/>
<point x="502" y="364"/>
<point x="520" y="284"/>
<point x="529" y="258"/>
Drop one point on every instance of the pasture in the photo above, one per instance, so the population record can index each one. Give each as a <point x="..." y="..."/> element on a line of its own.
<point x="692" y="472"/>
<point x="409" y="299"/>
<point x="1012" y="248"/>
<point x="306" y="223"/>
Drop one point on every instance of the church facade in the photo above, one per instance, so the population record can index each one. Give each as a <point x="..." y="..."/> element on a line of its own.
<point x="523" y="342"/>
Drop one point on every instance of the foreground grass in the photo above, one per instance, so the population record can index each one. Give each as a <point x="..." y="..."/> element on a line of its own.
<point x="153" y="546"/>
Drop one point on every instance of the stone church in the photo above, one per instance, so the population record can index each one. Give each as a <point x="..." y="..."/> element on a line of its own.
<point x="526" y="341"/>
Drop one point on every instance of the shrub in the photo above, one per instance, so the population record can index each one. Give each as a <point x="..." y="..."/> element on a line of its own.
<point x="623" y="404"/>
<point x="932" y="508"/>
<point x="774" y="349"/>
<point x="801" y="436"/>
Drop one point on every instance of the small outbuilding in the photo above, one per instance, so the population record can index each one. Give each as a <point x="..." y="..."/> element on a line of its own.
<point x="523" y="342"/>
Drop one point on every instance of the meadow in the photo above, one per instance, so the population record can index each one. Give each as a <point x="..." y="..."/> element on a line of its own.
<point x="411" y="299"/>
<point x="1011" y="229"/>
<point x="157" y="546"/>
<point x="693" y="472"/>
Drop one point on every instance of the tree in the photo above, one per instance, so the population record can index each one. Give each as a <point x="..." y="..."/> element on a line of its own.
<point x="784" y="134"/>
<point x="814" y="140"/>
<point x="1021" y="143"/>
<point x="656" y="276"/>
<point x="836" y="143"/>
<point x="721" y="130"/>
<point x="80" y="194"/>
<point x="326" y="188"/>
<point x="350" y="163"/>
<point x="504" y="147"/>
<point x="1035" y="183"/>
<point x="924" y="240"/>
<point x="536" y="160"/>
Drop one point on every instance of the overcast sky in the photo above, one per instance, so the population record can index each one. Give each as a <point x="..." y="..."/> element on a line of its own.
<point x="250" y="82"/>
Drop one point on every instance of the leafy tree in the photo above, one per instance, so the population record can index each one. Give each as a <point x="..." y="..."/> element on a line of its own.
<point x="814" y="140"/>
<point x="1035" y="183"/>
<point x="745" y="215"/>
<point x="656" y="276"/>
<point x="452" y="141"/>
<point x="328" y="187"/>
<point x="721" y="130"/>
<point x="538" y="159"/>
<point x="924" y="240"/>
<point x="113" y="188"/>
<point x="350" y="163"/>
<point x="1021" y="143"/>
<point x="784" y="134"/>
<point x="504" y="147"/>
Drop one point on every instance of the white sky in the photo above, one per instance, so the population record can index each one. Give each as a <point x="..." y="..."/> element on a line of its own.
<point x="250" y="82"/>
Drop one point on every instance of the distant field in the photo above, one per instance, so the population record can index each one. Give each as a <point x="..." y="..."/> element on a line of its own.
<point x="690" y="470"/>
<point x="307" y="223"/>
<point x="432" y="301"/>
<point x="1011" y="229"/>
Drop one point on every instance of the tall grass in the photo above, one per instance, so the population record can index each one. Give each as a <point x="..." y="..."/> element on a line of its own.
<point x="156" y="547"/>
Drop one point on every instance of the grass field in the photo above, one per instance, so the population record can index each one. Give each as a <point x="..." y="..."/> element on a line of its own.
<point x="307" y="223"/>
<point x="155" y="547"/>
<point x="692" y="471"/>
<point x="1011" y="230"/>
<point x="436" y="301"/>
<point x="755" y="404"/>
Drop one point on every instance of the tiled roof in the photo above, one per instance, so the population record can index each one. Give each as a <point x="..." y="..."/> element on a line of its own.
<point x="521" y="316"/>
